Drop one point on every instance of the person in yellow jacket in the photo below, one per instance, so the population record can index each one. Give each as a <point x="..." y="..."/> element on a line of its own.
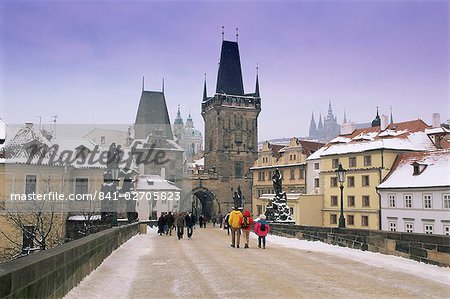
<point x="234" y="222"/>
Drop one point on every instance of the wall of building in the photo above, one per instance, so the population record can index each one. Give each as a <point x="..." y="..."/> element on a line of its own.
<point x="401" y="216"/>
<point x="381" y="163"/>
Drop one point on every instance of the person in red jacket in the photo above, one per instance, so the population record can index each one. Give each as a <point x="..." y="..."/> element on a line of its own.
<point x="262" y="228"/>
<point x="246" y="225"/>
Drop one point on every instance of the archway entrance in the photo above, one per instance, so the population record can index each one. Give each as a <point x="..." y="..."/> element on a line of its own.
<point x="204" y="202"/>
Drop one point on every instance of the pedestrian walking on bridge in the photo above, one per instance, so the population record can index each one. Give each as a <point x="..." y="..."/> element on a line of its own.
<point x="180" y="223"/>
<point x="234" y="221"/>
<point x="261" y="229"/>
<point x="246" y="226"/>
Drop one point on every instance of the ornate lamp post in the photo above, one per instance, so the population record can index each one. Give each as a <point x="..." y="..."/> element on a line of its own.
<point x="341" y="179"/>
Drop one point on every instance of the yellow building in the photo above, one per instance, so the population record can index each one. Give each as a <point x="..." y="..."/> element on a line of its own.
<point x="291" y="162"/>
<point x="367" y="155"/>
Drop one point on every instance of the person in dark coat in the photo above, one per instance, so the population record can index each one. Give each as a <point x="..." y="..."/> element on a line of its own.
<point x="190" y="222"/>
<point x="170" y="221"/>
<point x="180" y="223"/>
<point x="161" y="224"/>
<point x="200" y="220"/>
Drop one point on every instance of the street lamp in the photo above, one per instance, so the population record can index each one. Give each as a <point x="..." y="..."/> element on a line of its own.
<point x="341" y="179"/>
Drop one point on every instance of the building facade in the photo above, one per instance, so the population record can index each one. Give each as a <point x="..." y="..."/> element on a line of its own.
<point x="415" y="196"/>
<point x="290" y="160"/>
<point x="368" y="156"/>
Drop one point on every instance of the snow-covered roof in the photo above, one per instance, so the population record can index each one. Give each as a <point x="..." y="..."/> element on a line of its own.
<point x="434" y="170"/>
<point x="154" y="182"/>
<point x="400" y="136"/>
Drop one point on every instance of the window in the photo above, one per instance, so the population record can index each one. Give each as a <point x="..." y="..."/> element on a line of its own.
<point x="446" y="230"/>
<point x="316" y="182"/>
<point x="408" y="200"/>
<point x="391" y="199"/>
<point x="334" y="200"/>
<point x="365" y="220"/>
<point x="81" y="185"/>
<point x="335" y="163"/>
<point x="409" y="227"/>
<point x="365" y="180"/>
<point x="365" y="201"/>
<point x="291" y="210"/>
<point x="427" y="201"/>
<point x="392" y="226"/>
<point x="367" y="160"/>
<point x="292" y="174"/>
<point x="333" y="219"/>
<point x="446" y="201"/>
<point x="259" y="210"/>
<point x="352" y="161"/>
<point x="333" y="181"/>
<point x="428" y="229"/>
<point x="351" y="201"/>
<point x="350" y="220"/>
<point x="316" y="166"/>
<point x="301" y="173"/>
<point x="350" y="181"/>
<point x="27" y="238"/>
<point x="238" y="169"/>
<point x="30" y="184"/>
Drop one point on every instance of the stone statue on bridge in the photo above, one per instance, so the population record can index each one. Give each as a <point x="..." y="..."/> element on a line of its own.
<point x="277" y="209"/>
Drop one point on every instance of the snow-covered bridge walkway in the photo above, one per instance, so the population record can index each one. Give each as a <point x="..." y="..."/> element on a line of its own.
<point x="152" y="266"/>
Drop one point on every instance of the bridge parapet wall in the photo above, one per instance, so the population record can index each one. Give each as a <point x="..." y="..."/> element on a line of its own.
<point x="54" y="272"/>
<point x="431" y="249"/>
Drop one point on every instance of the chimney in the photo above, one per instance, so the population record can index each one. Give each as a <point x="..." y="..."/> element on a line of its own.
<point x="348" y="128"/>
<point x="384" y="122"/>
<point x="436" y="120"/>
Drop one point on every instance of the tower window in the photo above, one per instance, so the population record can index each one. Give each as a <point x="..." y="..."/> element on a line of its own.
<point x="238" y="169"/>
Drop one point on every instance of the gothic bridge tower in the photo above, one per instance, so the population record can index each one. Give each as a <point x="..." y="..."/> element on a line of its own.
<point x="231" y="130"/>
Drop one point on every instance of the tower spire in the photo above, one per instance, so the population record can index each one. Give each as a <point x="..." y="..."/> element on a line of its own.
<point x="392" y="118"/>
<point x="223" y="33"/>
<point x="237" y="34"/>
<point x="205" y="94"/>
<point x="257" y="82"/>
<point x="163" y="86"/>
<point x="142" y="83"/>
<point x="345" y="117"/>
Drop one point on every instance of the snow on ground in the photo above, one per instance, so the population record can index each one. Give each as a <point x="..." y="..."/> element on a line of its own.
<point x="390" y="262"/>
<point x="114" y="277"/>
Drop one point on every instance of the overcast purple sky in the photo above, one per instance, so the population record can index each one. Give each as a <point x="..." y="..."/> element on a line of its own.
<point x="84" y="61"/>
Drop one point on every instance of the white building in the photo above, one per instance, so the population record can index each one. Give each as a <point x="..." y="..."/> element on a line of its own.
<point x="415" y="196"/>
<point x="313" y="182"/>
<point x="155" y="195"/>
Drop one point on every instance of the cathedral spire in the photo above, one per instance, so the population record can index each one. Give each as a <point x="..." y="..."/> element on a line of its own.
<point x="178" y="119"/>
<point x="142" y="83"/>
<point x="312" y="127"/>
<point x="257" y="83"/>
<point x="330" y="111"/>
<point x="345" y="117"/>
<point x="162" y="89"/>
<point x="205" y="94"/>
<point x="320" y="124"/>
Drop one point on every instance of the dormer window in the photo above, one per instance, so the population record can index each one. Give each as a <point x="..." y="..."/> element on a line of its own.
<point x="418" y="168"/>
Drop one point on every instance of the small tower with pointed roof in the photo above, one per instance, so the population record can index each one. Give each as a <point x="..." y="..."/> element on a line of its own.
<point x="377" y="121"/>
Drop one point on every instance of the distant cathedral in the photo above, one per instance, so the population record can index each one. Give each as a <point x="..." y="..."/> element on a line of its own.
<point x="327" y="130"/>
<point x="189" y="138"/>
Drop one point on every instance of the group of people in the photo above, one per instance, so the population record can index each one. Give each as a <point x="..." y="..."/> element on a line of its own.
<point x="237" y="222"/>
<point x="178" y="221"/>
